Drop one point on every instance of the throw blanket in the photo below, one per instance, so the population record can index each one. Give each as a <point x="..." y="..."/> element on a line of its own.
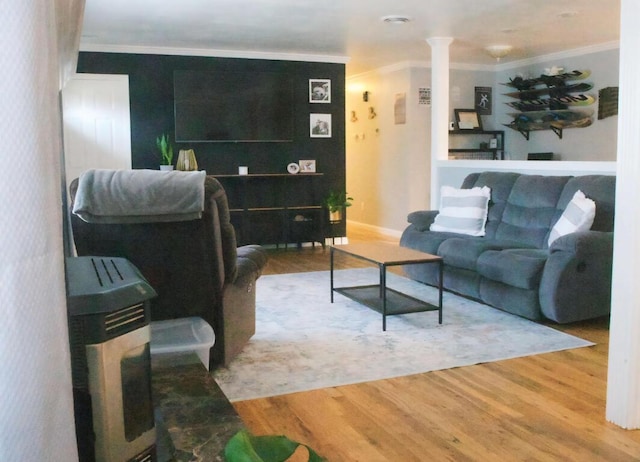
<point x="139" y="196"/>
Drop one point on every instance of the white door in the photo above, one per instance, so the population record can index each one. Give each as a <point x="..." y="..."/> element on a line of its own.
<point x="97" y="126"/>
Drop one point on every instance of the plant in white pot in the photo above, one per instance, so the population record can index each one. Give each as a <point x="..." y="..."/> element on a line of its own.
<point x="336" y="202"/>
<point x="166" y="152"/>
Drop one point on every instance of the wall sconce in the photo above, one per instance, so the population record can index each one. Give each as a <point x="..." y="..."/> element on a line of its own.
<point x="499" y="51"/>
<point x="365" y="96"/>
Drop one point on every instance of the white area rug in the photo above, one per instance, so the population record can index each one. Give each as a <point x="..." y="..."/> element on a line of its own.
<point x="304" y="342"/>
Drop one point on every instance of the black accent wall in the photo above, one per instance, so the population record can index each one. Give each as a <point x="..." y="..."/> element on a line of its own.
<point x="152" y="113"/>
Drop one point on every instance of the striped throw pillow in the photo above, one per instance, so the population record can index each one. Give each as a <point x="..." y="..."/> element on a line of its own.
<point x="578" y="216"/>
<point x="462" y="211"/>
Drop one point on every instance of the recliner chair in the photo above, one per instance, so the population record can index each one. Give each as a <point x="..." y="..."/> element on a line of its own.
<point x="194" y="266"/>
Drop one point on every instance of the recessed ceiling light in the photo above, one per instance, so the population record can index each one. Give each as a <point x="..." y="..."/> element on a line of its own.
<point x="395" y="19"/>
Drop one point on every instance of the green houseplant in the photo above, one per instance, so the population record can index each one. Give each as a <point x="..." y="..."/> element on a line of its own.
<point x="336" y="202"/>
<point x="245" y="447"/>
<point x="166" y="151"/>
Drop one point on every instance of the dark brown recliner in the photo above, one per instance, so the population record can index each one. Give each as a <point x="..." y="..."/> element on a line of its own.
<point x="194" y="266"/>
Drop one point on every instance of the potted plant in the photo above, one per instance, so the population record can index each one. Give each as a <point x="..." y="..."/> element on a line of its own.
<point x="245" y="447"/>
<point x="336" y="202"/>
<point x="166" y="152"/>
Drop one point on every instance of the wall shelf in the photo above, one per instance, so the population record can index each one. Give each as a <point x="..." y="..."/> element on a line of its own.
<point x="477" y="152"/>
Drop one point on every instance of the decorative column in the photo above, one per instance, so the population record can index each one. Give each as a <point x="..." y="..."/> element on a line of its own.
<point x="623" y="386"/>
<point x="439" y="110"/>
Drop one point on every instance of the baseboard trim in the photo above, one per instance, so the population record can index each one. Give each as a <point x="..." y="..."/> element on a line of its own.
<point x="384" y="231"/>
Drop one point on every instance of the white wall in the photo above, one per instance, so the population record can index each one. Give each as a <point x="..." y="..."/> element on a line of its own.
<point x="462" y="85"/>
<point x="36" y="406"/>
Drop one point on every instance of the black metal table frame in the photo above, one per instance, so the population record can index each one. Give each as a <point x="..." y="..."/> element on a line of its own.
<point x="382" y="304"/>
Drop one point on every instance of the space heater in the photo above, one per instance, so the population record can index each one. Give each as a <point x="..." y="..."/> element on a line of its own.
<point x="108" y="310"/>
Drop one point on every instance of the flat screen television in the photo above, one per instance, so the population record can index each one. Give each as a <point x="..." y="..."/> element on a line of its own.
<point x="233" y="106"/>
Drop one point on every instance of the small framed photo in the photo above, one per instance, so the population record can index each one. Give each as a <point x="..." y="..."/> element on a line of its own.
<point x="319" y="90"/>
<point x="307" y="166"/>
<point x="320" y="125"/>
<point x="468" y="119"/>
<point x="483" y="100"/>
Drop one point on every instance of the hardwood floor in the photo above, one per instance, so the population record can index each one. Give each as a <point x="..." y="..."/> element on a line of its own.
<point x="548" y="407"/>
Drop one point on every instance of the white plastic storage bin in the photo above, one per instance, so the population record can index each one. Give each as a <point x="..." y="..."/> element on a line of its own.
<point x="182" y="335"/>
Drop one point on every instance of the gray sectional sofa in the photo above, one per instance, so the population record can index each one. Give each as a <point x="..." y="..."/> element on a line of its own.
<point x="512" y="267"/>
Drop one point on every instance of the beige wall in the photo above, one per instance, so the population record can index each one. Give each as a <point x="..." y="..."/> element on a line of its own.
<point x="387" y="163"/>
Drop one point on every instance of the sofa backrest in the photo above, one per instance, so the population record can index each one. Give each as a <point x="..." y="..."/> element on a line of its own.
<point x="524" y="208"/>
<point x="186" y="262"/>
<point x="531" y="209"/>
<point x="599" y="188"/>
<point x="501" y="184"/>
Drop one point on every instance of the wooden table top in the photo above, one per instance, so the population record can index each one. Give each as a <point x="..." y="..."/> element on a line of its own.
<point x="386" y="254"/>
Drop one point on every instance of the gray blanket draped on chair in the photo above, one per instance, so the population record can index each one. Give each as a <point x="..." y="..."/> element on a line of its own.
<point x="139" y="196"/>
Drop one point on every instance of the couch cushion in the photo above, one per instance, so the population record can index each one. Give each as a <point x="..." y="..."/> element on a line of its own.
<point x="520" y="268"/>
<point x="462" y="211"/>
<point x="578" y="216"/>
<point x="531" y="209"/>
<point x="464" y="252"/>
<point x="425" y="241"/>
<point x="500" y="184"/>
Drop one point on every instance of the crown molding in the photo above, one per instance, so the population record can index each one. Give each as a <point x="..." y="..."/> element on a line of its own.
<point x="212" y="53"/>
<point x="608" y="46"/>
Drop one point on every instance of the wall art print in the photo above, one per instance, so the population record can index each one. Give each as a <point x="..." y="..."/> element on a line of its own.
<point x="319" y="90"/>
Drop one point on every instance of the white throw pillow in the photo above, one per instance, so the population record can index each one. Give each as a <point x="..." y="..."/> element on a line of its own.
<point x="462" y="211"/>
<point x="578" y="216"/>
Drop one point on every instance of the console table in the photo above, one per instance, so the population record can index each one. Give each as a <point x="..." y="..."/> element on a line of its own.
<point x="276" y="208"/>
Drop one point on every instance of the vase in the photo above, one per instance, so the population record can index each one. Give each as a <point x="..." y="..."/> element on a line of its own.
<point x="335" y="216"/>
<point x="187" y="160"/>
<point x="166" y="168"/>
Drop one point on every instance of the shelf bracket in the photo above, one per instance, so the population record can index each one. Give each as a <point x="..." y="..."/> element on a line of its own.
<point x="557" y="131"/>
<point x="524" y="133"/>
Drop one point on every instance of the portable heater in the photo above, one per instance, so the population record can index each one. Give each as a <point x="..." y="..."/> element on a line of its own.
<point x="108" y="309"/>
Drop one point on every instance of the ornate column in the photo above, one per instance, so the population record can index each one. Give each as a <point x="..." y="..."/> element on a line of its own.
<point x="623" y="387"/>
<point x="439" y="110"/>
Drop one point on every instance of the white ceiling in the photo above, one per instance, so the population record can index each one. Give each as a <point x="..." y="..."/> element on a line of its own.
<point x="349" y="31"/>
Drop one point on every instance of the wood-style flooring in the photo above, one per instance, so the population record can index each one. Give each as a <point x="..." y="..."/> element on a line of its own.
<point x="548" y="407"/>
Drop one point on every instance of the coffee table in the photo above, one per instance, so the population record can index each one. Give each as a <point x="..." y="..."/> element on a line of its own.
<point x="379" y="297"/>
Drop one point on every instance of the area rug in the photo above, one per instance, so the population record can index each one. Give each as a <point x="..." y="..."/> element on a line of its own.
<point x="304" y="342"/>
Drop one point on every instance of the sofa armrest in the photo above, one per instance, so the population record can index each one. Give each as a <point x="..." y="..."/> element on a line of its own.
<point x="422" y="219"/>
<point x="576" y="280"/>
<point x="584" y="243"/>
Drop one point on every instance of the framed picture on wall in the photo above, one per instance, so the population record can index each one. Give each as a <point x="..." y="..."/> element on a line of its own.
<point x="320" y="125"/>
<point x="307" y="166"/>
<point x="468" y="119"/>
<point x="483" y="96"/>
<point x="319" y="90"/>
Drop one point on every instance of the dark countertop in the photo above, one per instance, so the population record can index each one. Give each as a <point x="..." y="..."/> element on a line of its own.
<point x="191" y="410"/>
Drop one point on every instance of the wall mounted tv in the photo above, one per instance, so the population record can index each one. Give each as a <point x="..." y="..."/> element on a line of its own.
<point x="233" y="106"/>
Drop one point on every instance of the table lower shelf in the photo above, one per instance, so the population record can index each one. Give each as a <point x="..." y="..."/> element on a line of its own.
<point x="397" y="302"/>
